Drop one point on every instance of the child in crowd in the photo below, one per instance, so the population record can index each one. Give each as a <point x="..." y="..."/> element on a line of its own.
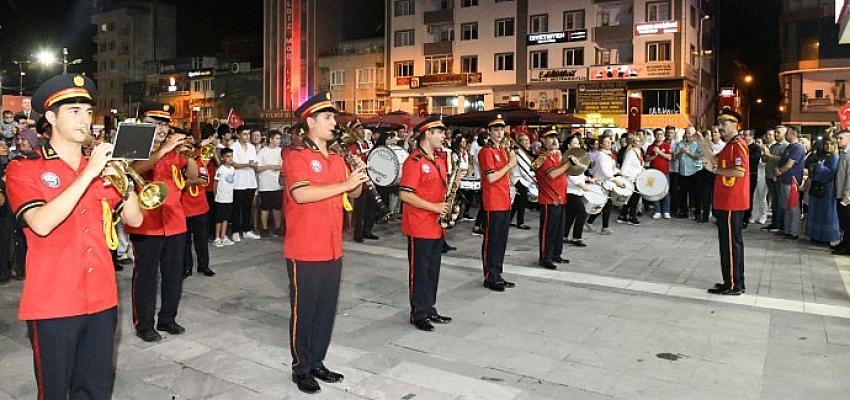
<point x="225" y="180"/>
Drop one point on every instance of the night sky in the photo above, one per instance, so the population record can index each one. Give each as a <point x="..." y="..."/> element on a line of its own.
<point x="749" y="32"/>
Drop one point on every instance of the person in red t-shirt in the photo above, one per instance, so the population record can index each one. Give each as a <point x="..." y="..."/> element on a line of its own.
<point x="659" y="155"/>
<point x="70" y="297"/>
<point x="552" y="186"/>
<point x="317" y="181"/>
<point x="423" y="190"/>
<point x="196" y="207"/>
<point x="495" y="162"/>
<point x="731" y="168"/>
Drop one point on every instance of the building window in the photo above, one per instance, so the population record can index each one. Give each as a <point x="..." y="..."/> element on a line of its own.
<point x="111" y="64"/>
<point x="369" y="106"/>
<point x="473" y="103"/>
<point x="658" y="11"/>
<point x="404" y="68"/>
<point x="693" y="17"/>
<point x="661" y="101"/>
<point x="404" y="7"/>
<point x="439" y="64"/>
<point x="111" y="46"/>
<point x="404" y="38"/>
<point x="574" y="57"/>
<point x="603" y="56"/>
<point x="504" y="27"/>
<point x="538" y="23"/>
<point x="337" y="79"/>
<point x="658" y="51"/>
<point x="101" y="47"/>
<point x="469" y="31"/>
<point x="504" y="61"/>
<point x="340" y="105"/>
<point x="444" y="104"/>
<point x="693" y="55"/>
<point x="573" y="20"/>
<point x="468" y="3"/>
<point x="469" y="64"/>
<point x="365" y="78"/>
<point x="539" y="59"/>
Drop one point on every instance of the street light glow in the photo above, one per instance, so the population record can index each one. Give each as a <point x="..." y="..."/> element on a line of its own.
<point x="45" y="57"/>
<point x="758" y="101"/>
<point x="748" y="79"/>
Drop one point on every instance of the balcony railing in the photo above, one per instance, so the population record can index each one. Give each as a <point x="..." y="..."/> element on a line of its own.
<point x="438" y="48"/>
<point x="439" y="16"/>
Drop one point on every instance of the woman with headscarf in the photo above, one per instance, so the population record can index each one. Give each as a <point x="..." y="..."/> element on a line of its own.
<point x="822" y="216"/>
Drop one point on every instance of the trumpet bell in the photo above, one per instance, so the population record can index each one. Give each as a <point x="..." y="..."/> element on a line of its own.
<point x="207" y="152"/>
<point x="152" y="195"/>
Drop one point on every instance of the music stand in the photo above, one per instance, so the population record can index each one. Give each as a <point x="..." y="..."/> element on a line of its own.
<point x="133" y="141"/>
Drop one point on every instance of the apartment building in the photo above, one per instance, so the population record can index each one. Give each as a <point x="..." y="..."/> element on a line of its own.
<point x="594" y="58"/>
<point x="353" y="72"/>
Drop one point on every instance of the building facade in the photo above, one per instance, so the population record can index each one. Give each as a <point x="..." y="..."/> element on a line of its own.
<point x="815" y="69"/>
<point x="130" y="35"/>
<point x="587" y="57"/>
<point x="353" y="72"/>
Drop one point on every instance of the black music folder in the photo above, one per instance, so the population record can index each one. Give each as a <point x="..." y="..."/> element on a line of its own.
<point x="133" y="141"/>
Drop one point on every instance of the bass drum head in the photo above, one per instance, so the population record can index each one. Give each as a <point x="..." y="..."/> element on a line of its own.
<point x="383" y="165"/>
<point x="594" y="199"/>
<point x="652" y="185"/>
<point x="620" y="195"/>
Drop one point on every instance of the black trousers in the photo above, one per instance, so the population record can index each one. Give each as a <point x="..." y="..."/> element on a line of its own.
<point x="197" y="235"/>
<point x="520" y="203"/>
<point x="844" y="225"/>
<point x="313" y="295"/>
<point x="7" y="230"/>
<point x="574" y="216"/>
<point x="20" y="251"/>
<point x="163" y="255"/>
<point x="496" y="224"/>
<point x="73" y="356"/>
<point x="423" y="259"/>
<point x="706" y="189"/>
<point x="240" y="220"/>
<point x="606" y="214"/>
<point x="364" y="214"/>
<point x="731" y="237"/>
<point x="211" y="215"/>
<point x="550" y="233"/>
<point x="753" y="182"/>
<point x="674" y="193"/>
<point x="630" y="209"/>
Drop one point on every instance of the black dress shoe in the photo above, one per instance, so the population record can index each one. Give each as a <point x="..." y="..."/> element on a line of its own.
<point x="306" y="383"/>
<point x="187" y="274"/>
<point x="506" y="284"/>
<point x="495" y="286"/>
<point x="171" y="327"/>
<point x="717" y="289"/>
<point x="149" y="336"/>
<point x="358" y="240"/>
<point x="523" y="227"/>
<point x="326" y="375"/>
<point x="118" y="267"/>
<point x="440" y="319"/>
<point x="206" y="272"/>
<point x="548" y="265"/>
<point x="577" y="243"/>
<point x="561" y="260"/>
<point x="449" y="248"/>
<point x="424" y="324"/>
<point x="732" y="292"/>
<point x="370" y="236"/>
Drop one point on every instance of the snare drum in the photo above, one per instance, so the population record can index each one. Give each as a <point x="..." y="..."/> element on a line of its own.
<point x="652" y="185"/>
<point x="594" y="199"/>
<point x="619" y="195"/>
<point x="470" y="183"/>
<point x="384" y="165"/>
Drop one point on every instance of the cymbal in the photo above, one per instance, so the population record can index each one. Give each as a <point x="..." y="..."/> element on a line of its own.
<point x="582" y="161"/>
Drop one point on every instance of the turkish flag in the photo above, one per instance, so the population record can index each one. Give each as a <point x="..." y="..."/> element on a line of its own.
<point x="794" y="196"/>
<point x="234" y="120"/>
<point x="844" y="115"/>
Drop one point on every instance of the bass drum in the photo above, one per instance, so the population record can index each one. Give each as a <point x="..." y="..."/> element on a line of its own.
<point x="532" y="192"/>
<point x="470" y="183"/>
<point x="594" y="199"/>
<point x="384" y="165"/>
<point x="652" y="185"/>
<point x="619" y="194"/>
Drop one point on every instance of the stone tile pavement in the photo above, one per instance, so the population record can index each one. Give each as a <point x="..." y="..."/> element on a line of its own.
<point x="626" y="319"/>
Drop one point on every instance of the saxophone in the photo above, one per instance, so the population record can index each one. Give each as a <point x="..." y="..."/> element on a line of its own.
<point x="447" y="220"/>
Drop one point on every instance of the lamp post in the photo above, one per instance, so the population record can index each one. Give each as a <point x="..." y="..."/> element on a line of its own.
<point x="20" y="64"/>
<point x="47" y="58"/>
<point x="750" y="111"/>
<point x="700" y="54"/>
<point x="748" y="81"/>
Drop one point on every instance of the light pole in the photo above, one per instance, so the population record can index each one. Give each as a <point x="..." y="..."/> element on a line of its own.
<point x="20" y="64"/>
<point x="750" y="111"/>
<point x="748" y="81"/>
<point x="47" y="58"/>
<point x="700" y="54"/>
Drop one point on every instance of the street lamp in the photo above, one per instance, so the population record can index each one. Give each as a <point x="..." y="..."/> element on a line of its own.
<point x="748" y="79"/>
<point x="20" y="64"/>
<point x="700" y="54"/>
<point x="47" y="58"/>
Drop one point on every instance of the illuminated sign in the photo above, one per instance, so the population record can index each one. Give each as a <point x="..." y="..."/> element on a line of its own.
<point x="556" y="37"/>
<point x="200" y="73"/>
<point x="656" y="28"/>
<point x="559" y="75"/>
<point x="632" y="71"/>
<point x="444" y="80"/>
<point x="602" y="98"/>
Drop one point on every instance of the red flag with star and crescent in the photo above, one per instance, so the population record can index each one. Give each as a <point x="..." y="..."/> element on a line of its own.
<point x="234" y="120"/>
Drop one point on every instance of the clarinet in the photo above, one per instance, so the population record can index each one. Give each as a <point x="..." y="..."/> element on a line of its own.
<point x="382" y="209"/>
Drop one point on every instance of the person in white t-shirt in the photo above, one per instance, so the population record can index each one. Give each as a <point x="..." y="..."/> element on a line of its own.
<point x="244" y="161"/>
<point x="268" y="172"/>
<point x="225" y="180"/>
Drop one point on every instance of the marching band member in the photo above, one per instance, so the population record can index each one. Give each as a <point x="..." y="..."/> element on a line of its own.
<point x="574" y="213"/>
<point x="631" y="168"/>
<point x="605" y="169"/>
<point x="496" y="162"/>
<point x="520" y="182"/>
<point x="318" y="185"/>
<point x="731" y="200"/>
<point x="160" y="242"/>
<point x="423" y="189"/>
<point x="195" y="205"/>
<point x="365" y="208"/>
<point x="552" y="196"/>
<point x="70" y="296"/>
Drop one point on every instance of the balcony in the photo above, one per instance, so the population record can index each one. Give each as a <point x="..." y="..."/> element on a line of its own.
<point x="439" y="16"/>
<point x="438" y="48"/>
<point x="615" y="33"/>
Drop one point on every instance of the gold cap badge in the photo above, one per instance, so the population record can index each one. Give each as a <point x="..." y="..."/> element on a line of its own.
<point x="79" y="80"/>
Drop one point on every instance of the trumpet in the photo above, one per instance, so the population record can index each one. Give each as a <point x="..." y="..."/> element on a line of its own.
<point x="208" y="153"/>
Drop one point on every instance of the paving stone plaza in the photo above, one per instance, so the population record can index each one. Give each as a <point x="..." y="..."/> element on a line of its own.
<point x="628" y="318"/>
